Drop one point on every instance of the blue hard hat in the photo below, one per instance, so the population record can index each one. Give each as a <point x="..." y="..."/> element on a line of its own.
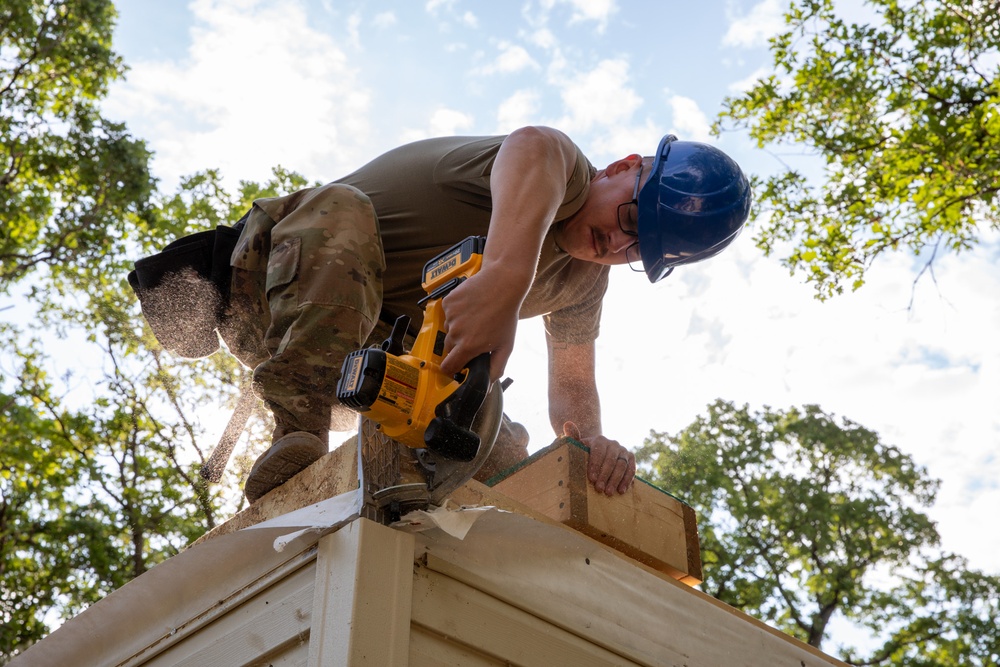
<point x="692" y="206"/>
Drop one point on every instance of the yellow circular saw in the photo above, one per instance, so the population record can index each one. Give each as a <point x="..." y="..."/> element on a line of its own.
<point x="451" y="421"/>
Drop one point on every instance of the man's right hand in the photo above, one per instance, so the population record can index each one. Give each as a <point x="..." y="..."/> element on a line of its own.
<point x="527" y="186"/>
<point x="480" y="316"/>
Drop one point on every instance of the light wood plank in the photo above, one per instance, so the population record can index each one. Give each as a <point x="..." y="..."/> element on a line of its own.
<point x="296" y="655"/>
<point x="335" y="473"/>
<point x="578" y="585"/>
<point x="544" y="485"/>
<point x="644" y="523"/>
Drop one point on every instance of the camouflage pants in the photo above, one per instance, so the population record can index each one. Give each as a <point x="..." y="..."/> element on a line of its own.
<point x="306" y="291"/>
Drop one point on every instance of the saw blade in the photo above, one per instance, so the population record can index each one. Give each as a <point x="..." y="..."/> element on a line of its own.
<point x="390" y="470"/>
<point x="445" y="475"/>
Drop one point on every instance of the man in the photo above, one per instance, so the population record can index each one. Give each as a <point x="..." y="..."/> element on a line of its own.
<point x="315" y="272"/>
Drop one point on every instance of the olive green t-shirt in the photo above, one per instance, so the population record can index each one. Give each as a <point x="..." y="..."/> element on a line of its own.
<point x="431" y="194"/>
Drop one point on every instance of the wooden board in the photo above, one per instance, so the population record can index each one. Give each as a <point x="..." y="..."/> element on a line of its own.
<point x="335" y="473"/>
<point x="645" y="523"/>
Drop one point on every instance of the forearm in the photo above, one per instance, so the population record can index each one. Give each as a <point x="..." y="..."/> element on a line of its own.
<point x="527" y="184"/>
<point x="580" y="404"/>
<point x="573" y="392"/>
<point x="575" y="410"/>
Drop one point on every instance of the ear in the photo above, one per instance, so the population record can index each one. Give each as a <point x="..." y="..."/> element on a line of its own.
<point x="624" y="164"/>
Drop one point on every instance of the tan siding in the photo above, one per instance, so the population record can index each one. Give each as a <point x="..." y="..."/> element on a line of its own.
<point x="429" y="649"/>
<point x="471" y="618"/>
<point x="272" y="623"/>
<point x="296" y="655"/>
<point x="362" y="611"/>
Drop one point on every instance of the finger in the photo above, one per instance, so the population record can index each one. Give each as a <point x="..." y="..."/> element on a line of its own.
<point x="455" y="361"/>
<point x="606" y="478"/>
<point x="629" y="476"/>
<point x="448" y="359"/>
<point x="451" y="334"/>
<point x="595" y="465"/>
<point x="614" y="468"/>
<point x="498" y="362"/>
<point x="449" y="365"/>
<point x="606" y="463"/>
<point x="571" y="430"/>
<point x="623" y="474"/>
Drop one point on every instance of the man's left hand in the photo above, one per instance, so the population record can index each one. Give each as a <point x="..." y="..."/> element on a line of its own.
<point x="611" y="467"/>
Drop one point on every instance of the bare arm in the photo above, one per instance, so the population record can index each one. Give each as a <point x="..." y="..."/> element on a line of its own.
<point x="575" y="410"/>
<point x="528" y="184"/>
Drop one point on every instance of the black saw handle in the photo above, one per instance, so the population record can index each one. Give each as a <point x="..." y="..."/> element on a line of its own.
<point x="450" y="433"/>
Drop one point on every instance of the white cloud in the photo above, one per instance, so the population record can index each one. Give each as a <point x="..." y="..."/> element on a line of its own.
<point x="449" y="7"/>
<point x="542" y="38"/>
<point x="442" y="122"/>
<point x="598" y="98"/>
<point x="258" y="87"/>
<point x="470" y="20"/>
<point x="598" y="11"/>
<point x="764" y="21"/>
<point x="512" y="58"/>
<point x="450" y="121"/>
<point x="690" y="121"/>
<point x="385" y="20"/>
<point x="745" y="84"/>
<point x="354" y="30"/>
<point x="621" y="140"/>
<point x="518" y="110"/>
<point x="433" y="6"/>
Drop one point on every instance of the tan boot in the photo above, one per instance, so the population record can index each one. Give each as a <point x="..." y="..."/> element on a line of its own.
<point x="510" y="449"/>
<point x="288" y="456"/>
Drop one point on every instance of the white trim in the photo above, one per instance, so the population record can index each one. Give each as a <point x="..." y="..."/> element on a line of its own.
<point x="361" y="609"/>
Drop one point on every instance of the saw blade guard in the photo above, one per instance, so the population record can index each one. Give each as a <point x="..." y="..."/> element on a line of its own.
<point x="445" y="475"/>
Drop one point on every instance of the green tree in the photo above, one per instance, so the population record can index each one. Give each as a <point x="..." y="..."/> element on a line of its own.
<point x="93" y="491"/>
<point x="940" y="615"/>
<point x="96" y="488"/>
<point x="804" y="517"/>
<point x="71" y="181"/>
<point x="101" y="447"/>
<point x="904" y="113"/>
<point x="37" y="466"/>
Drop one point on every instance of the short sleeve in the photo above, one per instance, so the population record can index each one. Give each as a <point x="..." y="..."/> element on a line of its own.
<point x="580" y="322"/>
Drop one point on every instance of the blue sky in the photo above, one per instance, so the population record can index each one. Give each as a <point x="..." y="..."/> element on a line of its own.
<point x="321" y="86"/>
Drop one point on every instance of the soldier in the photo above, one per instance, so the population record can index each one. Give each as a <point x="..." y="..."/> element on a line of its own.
<point x="318" y="273"/>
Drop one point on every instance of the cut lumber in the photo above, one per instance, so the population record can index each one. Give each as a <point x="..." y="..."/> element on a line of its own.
<point x="645" y="523"/>
<point x="335" y="473"/>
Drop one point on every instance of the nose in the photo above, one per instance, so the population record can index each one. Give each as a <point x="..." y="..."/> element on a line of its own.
<point x="619" y="241"/>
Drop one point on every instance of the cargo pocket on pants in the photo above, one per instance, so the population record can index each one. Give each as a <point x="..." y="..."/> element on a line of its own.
<point x="282" y="265"/>
<point x="282" y="291"/>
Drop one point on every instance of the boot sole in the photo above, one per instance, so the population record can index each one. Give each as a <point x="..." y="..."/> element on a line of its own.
<point x="278" y="465"/>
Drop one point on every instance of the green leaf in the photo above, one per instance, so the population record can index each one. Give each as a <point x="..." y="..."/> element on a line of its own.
<point x="903" y="112"/>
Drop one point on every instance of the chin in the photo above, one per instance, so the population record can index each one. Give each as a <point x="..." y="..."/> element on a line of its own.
<point x="582" y="253"/>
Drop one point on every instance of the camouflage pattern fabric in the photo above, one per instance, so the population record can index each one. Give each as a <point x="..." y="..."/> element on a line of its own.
<point x="306" y="291"/>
